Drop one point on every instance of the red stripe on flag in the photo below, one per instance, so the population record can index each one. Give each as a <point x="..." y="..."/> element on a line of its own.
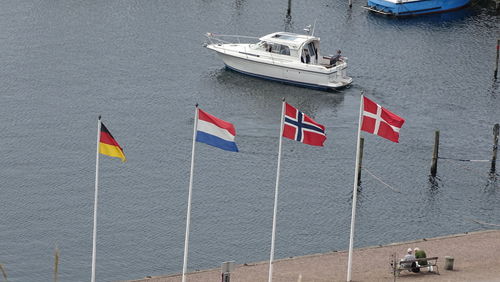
<point x="106" y="138"/>
<point x="217" y="121"/>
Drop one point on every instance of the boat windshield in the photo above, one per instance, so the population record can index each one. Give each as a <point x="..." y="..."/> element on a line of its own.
<point x="262" y="45"/>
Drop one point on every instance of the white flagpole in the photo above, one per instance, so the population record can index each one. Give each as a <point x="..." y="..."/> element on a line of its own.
<point x="188" y="216"/>
<point x="354" y="193"/>
<point x="273" y="236"/>
<point x="94" y="234"/>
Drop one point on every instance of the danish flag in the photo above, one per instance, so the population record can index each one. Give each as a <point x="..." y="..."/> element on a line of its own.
<point x="298" y="126"/>
<point x="380" y="121"/>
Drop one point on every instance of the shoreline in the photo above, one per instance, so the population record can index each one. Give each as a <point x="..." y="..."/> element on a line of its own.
<point x="476" y="258"/>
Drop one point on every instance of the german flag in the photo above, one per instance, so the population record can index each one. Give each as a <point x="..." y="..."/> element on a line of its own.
<point x="108" y="145"/>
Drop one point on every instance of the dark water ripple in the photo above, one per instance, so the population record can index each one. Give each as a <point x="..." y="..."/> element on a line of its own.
<point x="142" y="66"/>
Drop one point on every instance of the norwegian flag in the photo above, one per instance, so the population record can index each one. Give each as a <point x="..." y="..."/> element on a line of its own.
<point x="300" y="127"/>
<point x="380" y="121"/>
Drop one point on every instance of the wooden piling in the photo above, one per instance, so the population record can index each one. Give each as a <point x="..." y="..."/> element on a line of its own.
<point x="350" y="4"/>
<point x="56" y="264"/>
<point x="360" y="165"/>
<point x="435" y="154"/>
<point x="289" y="10"/>
<point x="495" y="147"/>
<point x="4" y="273"/>
<point x="498" y="55"/>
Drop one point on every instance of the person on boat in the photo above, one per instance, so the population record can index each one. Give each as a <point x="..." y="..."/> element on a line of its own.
<point x="305" y="58"/>
<point x="335" y="58"/>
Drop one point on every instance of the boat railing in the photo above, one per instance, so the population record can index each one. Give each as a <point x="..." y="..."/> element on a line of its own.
<point x="226" y="39"/>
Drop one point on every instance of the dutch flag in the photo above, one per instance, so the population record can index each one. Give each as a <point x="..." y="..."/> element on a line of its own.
<point x="215" y="132"/>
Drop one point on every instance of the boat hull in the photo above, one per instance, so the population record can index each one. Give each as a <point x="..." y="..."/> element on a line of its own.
<point x="414" y="7"/>
<point x="309" y="76"/>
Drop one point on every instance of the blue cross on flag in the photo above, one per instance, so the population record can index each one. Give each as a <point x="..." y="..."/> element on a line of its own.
<point x="300" y="127"/>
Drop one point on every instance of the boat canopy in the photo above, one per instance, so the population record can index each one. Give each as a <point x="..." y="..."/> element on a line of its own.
<point x="292" y="40"/>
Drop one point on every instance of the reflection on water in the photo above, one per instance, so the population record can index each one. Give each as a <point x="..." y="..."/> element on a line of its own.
<point x="492" y="181"/>
<point x="288" y="23"/>
<point x="434" y="183"/>
<point x="246" y="84"/>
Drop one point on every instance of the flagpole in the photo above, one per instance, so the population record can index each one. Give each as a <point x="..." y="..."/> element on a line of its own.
<point x="354" y="193"/>
<point x="94" y="234"/>
<point x="188" y="216"/>
<point x="273" y="236"/>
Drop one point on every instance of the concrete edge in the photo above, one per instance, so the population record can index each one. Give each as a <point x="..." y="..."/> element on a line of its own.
<point x="323" y="254"/>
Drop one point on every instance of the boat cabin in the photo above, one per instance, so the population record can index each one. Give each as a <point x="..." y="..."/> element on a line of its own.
<point x="298" y="46"/>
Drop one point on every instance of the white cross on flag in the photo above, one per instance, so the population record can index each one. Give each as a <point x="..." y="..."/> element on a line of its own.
<point x="380" y="121"/>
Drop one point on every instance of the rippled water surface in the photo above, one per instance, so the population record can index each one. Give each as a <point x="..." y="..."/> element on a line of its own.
<point x="142" y="66"/>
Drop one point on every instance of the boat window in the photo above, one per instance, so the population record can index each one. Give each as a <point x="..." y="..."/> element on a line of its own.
<point x="311" y="49"/>
<point x="279" y="49"/>
<point x="285" y="50"/>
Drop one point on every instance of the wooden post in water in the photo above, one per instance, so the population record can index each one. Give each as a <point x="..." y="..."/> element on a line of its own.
<point x="350" y="4"/>
<point x="56" y="265"/>
<point x="289" y="10"/>
<point x="4" y="273"/>
<point x="495" y="148"/>
<point x="361" y="144"/>
<point x="435" y="154"/>
<point x="496" y="65"/>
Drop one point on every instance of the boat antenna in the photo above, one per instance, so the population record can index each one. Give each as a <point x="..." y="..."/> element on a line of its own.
<point x="314" y="26"/>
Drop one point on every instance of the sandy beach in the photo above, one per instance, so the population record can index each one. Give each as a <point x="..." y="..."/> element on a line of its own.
<point x="476" y="258"/>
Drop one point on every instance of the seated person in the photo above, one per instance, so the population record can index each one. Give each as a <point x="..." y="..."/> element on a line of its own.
<point x="336" y="58"/>
<point x="408" y="257"/>
<point x="305" y="58"/>
<point x="420" y="254"/>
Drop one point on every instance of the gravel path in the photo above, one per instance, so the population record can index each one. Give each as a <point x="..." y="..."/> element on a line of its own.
<point x="476" y="258"/>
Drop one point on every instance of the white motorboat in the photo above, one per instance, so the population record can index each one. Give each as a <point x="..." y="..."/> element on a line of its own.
<point x="282" y="56"/>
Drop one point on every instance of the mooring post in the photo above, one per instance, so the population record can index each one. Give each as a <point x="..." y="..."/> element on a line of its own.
<point x="495" y="148"/>
<point x="435" y="154"/>
<point x="498" y="50"/>
<point x="350" y="4"/>
<point x="4" y="273"/>
<point x="289" y="10"/>
<point x="361" y="144"/>
<point x="56" y="265"/>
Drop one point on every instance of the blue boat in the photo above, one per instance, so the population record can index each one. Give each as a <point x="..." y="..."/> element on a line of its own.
<point x="402" y="8"/>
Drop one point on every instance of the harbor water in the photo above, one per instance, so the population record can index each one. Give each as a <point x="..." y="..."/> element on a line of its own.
<point x="143" y="67"/>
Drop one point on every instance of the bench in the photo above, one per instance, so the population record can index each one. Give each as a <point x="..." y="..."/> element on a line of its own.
<point x="408" y="265"/>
